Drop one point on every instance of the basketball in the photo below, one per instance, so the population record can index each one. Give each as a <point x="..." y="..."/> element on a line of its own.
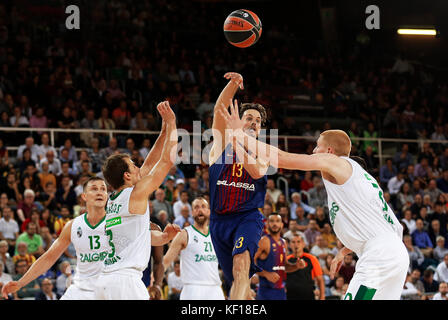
<point x="242" y="28"/>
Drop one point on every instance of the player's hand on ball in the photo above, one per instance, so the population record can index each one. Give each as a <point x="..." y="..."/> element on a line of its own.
<point x="235" y="77"/>
<point x="166" y="112"/>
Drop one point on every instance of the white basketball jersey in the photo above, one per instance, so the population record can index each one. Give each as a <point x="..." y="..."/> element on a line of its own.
<point x="129" y="235"/>
<point x="91" y="247"/>
<point x="358" y="211"/>
<point x="198" y="261"/>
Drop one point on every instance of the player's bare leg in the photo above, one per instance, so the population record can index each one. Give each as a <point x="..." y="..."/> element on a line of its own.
<point x="241" y="283"/>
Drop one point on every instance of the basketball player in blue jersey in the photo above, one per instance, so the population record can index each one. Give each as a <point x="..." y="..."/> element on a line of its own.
<point x="237" y="192"/>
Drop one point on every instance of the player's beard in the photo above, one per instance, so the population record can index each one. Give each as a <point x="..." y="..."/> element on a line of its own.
<point x="200" y="220"/>
<point x="274" y="232"/>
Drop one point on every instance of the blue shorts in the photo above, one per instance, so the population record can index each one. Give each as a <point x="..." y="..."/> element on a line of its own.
<point x="266" y="293"/>
<point x="234" y="234"/>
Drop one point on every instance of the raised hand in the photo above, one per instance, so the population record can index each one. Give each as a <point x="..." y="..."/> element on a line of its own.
<point x="235" y="77"/>
<point x="232" y="118"/>
<point x="166" y="112"/>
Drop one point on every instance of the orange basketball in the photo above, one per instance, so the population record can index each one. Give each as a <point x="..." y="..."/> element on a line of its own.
<point x="242" y="28"/>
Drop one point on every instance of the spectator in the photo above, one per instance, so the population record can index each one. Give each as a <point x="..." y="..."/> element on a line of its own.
<point x="4" y="277"/>
<point x="6" y="259"/>
<point x="441" y="274"/>
<point x="193" y="189"/>
<point x="23" y="254"/>
<point x="111" y="149"/>
<point x="329" y="236"/>
<point x="415" y="280"/>
<point x="416" y="257"/>
<point x="24" y="207"/>
<point x="387" y="172"/>
<point x="432" y="190"/>
<point x="320" y="250"/>
<point x="407" y="219"/>
<point x="35" y="150"/>
<point x="440" y="251"/>
<point x="160" y="203"/>
<point x="32" y="239"/>
<point x="300" y="283"/>
<point x="180" y="204"/>
<point x="169" y="189"/>
<point x="306" y="183"/>
<point x="434" y="231"/>
<point x="180" y="186"/>
<point x="145" y="148"/>
<point x="29" y="291"/>
<point x="422" y="169"/>
<point x="72" y="155"/>
<point x="410" y="292"/>
<point x="65" y="278"/>
<point x="38" y="119"/>
<point x="321" y="218"/>
<point x="395" y="183"/>
<point x="88" y="122"/>
<point x="312" y="232"/>
<point x="54" y="164"/>
<point x="297" y="202"/>
<point x="293" y="230"/>
<point x="48" y="197"/>
<point x="318" y="195"/>
<point x="370" y="133"/>
<point x="25" y="161"/>
<point x="403" y="158"/>
<point x="62" y="220"/>
<point x="45" y="176"/>
<point x="416" y="206"/>
<point x="337" y="289"/>
<point x="421" y="239"/>
<point x="11" y="188"/>
<point x="18" y="119"/>
<point x="206" y="106"/>
<point x="45" y="145"/>
<point x="175" y="284"/>
<point x="347" y="268"/>
<point x="442" y="182"/>
<point x="284" y="214"/>
<point x="65" y="195"/>
<point x="372" y="162"/>
<point x="431" y="285"/>
<point x="440" y="215"/>
<point x="83" y="156"/>
<point x="46" y="292"/>
<point x="442" y="294"/>
<point x="95" y="155"/>
<point x="35" y="217"/>
<point x="121" y="115"/>
<point x="185" y="217"/>
<point x="9" y="229"/>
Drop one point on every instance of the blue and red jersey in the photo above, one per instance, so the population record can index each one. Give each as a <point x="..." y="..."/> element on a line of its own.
<point x="275" y="261"/>
<point x="232" y="189"/>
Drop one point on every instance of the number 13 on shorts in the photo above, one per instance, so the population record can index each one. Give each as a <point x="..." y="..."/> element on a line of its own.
<point x="238" y="243"/>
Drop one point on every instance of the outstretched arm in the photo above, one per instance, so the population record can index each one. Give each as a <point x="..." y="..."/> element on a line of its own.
<point x="325" y="162"/>
<point x="42" y="264"/>
<point x="179" y="243"/>
<point x="219" y="124"/>
<point x="155" y="152"/>
<point x="148" y="184"/>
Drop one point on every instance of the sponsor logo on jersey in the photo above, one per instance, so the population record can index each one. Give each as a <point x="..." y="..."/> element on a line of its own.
<point x="79" y="232"/>
<point x="334" y="209"/>
<point x="113" y="208"/>
<point x="112" y="260"/>
<point x="278" y="268"/>
<point x="113" y="222"/>
<point x="243" y="185"/>
<point x="92" y="257"/>
<point x="205" y="257"/>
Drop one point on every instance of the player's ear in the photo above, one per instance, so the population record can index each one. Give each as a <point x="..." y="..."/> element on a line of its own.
<point x="83" y="196"/>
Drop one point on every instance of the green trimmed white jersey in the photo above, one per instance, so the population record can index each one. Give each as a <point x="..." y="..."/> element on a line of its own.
<point x="198" y="261"/>
<point x="129" y="235"/>
<point x="91" y="248"/>
<point x="358" y="211"/>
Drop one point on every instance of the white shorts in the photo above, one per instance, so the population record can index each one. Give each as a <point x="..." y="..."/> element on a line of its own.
<point x="75" y="293"/>
<point x="380" y="271"/>
<point x="120" y="286"/>
<point x="201" y="292"/>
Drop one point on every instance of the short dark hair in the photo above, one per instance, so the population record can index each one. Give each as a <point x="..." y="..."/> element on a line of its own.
<point x="254" y="106"/>
<point x="113" y="169"/>
<point x="84" y="186"/>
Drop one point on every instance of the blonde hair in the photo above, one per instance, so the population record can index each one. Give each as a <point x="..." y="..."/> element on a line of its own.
<point x="338" y="140"/>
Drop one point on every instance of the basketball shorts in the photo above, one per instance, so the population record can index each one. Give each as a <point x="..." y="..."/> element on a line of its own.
<point x="201" y="292"/>
<point x="381" y="270"/>
<point x="74" y="292"/>
<point x="121" y="285"/>
<point x="234" y="234"/>
<point x="265" y="293"/>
